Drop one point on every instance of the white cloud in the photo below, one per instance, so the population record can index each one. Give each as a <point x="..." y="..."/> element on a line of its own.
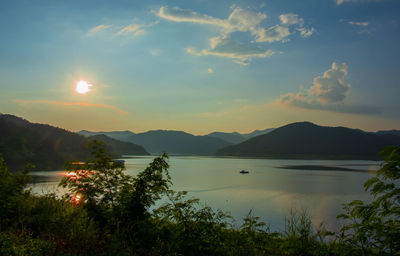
<point x="179" y="15"/>
<point x="291" y="19"/>
<point x="97" y="29"/>
<point x="331" y="87"/>
<point x="362" y="24"/>
<point x="239" y="20"/>
<point x="327" y="93"/>
<point x="272" y="34"/>
<point x="228" y="48"/>
<point x="210" y="70"/>
<point x="131" y="29"/>
<point x="306" y="32"/>
<point x="243" y="21"/>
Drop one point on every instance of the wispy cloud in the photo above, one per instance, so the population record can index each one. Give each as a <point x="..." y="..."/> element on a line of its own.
<point x="228" y="48"/>
<point x="97" y="29"/>
<point x="357" y="23"/>
<point x="240" y="20"/>
<point x="328" y="92"/>
<point x="362" y="27"/>
<point x="68" y="104"/>
<point x="339" y="2"/>
<point x="180" y="15"/>
<point x="131" y="29"/>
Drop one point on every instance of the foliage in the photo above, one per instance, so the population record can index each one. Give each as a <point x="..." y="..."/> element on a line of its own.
<point x="12" y="187"/>
<point x="116" y="201"/>
<point x="118" y="214"/>
<point x="375" y="227"/>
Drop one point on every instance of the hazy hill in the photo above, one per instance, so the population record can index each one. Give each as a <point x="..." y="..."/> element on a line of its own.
<point x="230" y="138"/>
<point x="47" y="147"/>
<point x="307" y="140"/>
<point x="177" y="142"/>
<point x="118" y="135"/>
<point x="257" y="133"/>
<point x="121" y="147"/>
<point x="235" y="137"/>
<point x="172" y="142"/>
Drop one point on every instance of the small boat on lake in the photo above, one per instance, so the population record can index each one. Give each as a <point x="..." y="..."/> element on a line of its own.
<point x="244" y="172"/>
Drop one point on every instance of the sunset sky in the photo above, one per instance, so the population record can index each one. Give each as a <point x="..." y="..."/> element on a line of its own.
<point x="201" y="66"/>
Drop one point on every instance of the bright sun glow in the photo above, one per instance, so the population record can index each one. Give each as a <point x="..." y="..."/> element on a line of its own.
<point x="82" y="87"/>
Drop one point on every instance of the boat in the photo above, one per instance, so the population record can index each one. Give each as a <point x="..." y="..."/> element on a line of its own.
<point x="244" y="172"/>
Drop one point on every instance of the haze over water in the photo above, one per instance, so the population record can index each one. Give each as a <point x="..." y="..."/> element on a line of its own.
<point x="270" y="192"/>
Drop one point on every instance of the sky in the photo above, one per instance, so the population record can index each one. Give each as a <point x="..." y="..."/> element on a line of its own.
<point x="201" y="66"/>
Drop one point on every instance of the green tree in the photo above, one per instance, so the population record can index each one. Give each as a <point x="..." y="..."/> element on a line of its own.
<point x="118" y="202"/>
<point x="12" y="192"/>
<point x="375" y="227"/>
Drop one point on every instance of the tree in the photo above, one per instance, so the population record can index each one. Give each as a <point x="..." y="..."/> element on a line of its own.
<point x="113" y="198"/>
<point x="12" y="192"/>
<point x="98" y="180"/>
<point x="375" y="227"/>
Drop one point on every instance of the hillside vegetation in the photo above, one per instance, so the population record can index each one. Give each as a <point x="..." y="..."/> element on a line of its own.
<point x="49" y="147"/>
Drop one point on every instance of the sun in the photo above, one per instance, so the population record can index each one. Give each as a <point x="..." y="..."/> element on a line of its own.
<point x="83" y="87"/>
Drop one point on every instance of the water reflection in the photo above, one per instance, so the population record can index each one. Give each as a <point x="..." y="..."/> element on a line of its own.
<point x="268" y="190"/>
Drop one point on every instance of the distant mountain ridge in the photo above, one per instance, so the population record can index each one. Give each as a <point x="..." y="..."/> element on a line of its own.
<point x="306" y="140"/>
<point x="158" y="141"/>
<point x="172" y="142"/>
<point x="48" y="147"/>
<point x="118" y="135"/>
<point x="235" y="137"/>
<point x="121" y="147"/>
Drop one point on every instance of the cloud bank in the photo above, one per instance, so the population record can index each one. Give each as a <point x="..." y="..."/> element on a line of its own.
<point x="239" y="20"/>
<point x="327" y="92"/>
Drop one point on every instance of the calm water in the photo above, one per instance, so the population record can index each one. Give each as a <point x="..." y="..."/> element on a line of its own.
<point x="268" y="190"/>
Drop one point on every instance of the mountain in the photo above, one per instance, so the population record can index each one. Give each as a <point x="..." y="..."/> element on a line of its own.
<point x="121" y="147"/>
<point x="235" y="137"/>
<point x="172" y="142"/>
<point x="118" y="135"/>
<point x="257" y="133"/>
<point x="393" y="132"/>
<point x="306" y="140"/>
<point x="177" y="142"/>
<point x="45" y="146"/>
<point x="145" y="139"/>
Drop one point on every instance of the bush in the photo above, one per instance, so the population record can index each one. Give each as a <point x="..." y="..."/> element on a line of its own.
<point x="375" y="227"/>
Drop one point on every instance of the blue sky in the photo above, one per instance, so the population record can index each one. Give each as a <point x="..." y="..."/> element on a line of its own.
<point x="201" y="66"/>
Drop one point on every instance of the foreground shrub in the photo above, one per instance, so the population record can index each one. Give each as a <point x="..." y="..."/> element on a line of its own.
<point x="375" y="227"/>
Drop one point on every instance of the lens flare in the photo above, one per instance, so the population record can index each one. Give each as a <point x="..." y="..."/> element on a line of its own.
<point x="83" y="87"/>
<point x="77" y="198"/>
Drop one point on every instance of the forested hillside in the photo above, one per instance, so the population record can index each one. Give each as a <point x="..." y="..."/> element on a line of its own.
<point x="45" y="146"/>
<point x="309" y="141"/>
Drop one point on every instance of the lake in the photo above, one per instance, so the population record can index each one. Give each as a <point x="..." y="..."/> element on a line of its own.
<point x="268" y="190"/>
